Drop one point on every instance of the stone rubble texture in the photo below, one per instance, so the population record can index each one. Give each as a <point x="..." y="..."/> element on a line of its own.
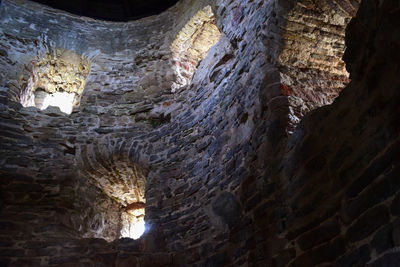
<point x="192" y="44"/>
<point x="245" y="166"/>
<point x="55" y="71"/>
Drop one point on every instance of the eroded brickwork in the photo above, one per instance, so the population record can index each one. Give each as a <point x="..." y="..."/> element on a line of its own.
<point x="237" y="171"/>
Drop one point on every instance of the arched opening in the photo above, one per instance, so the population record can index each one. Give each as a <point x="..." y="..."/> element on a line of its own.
<point x="123" y="182"/>
<point x="192" y="44"/>
<point x="133" y="224"/>
<point x="310" y="63"/>
<point x="58" y="79"/>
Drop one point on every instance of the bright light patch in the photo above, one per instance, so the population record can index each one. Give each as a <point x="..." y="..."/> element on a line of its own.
<point x="133" y="230"/>
<point x="133" y="225"/>
<point x="192" y="44"/>
<point x="63" y="100"/>
<point x="58" y="78"/>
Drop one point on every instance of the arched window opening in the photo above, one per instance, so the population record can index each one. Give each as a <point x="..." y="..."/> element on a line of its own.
<point x="192" y="44"/>
<point x="133" y="225"/>
<point x="57" y="79"/>
<point x="125" y="184"/>
<point x="311" y="62"/>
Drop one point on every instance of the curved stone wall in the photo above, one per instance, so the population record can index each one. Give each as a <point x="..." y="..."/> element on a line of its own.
<point x="229" y="179"/>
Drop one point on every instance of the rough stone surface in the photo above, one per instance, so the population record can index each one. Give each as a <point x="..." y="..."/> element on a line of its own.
<point x="226" y="206"/>
<point x="58" y="71"/>
<point x="250" y="141"/>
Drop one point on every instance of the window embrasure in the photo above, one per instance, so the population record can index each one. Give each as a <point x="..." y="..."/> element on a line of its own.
<point x="192" y="44"/>
<point x="57" y="79"/>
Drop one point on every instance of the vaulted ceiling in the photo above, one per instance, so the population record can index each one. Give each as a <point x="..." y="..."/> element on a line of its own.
<point x="114" y="10"/>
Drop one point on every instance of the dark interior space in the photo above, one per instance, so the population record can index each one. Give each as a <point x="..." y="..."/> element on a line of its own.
<point x="113" y="10"/>
<point x="212" y="133"/>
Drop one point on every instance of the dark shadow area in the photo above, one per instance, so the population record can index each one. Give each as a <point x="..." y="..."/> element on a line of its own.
<point x="113" y="10"/>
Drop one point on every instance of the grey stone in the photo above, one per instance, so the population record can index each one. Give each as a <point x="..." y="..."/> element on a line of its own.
<point x="227" y="207"/>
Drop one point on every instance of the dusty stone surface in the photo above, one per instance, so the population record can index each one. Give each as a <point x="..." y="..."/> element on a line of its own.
<point x="303" y="188"/>
<point x="56" y="74"/>
<point x="192" y="44"/>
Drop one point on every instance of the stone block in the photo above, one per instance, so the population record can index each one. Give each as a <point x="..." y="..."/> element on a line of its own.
<point x="341" y="155"/>
<point x="323" y="233"/>
<point x="105" y="259"/>
<point x="127" y="261"/>
<point x="11" y="252"/>
<point x="273" y="246"/>
<point x="387" y="260"/>
<point x="219" y="259"/>
<point x="395" y="208"/>
<point x="284" y="257"/>
<point x="227" y="207"/>
<point x="382" y="240"/>
<point x="324" y="253"/>
<point x="26" y="261"/>
<point x="372" y="172"/>
<point x="64" y="259"/>
<point x="396" y="232"/>
<point x="368" y="223"/>
<point x="253" y="202"/>
<point x="356" y="257"/>
<point x="374" y="194"/>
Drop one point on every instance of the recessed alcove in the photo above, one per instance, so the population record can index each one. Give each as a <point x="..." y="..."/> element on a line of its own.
<point x="310" y="62"/>
<point x="133" y="224"/>
<point x="124" y="183"/>
<point x="57" y="78"/>
<point x="191" y="45"/>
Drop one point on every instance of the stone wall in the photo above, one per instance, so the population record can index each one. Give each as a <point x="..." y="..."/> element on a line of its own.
<point x="310" y="63"/>
<point x="55" y="74"/>
<point x="237" y="170"/>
